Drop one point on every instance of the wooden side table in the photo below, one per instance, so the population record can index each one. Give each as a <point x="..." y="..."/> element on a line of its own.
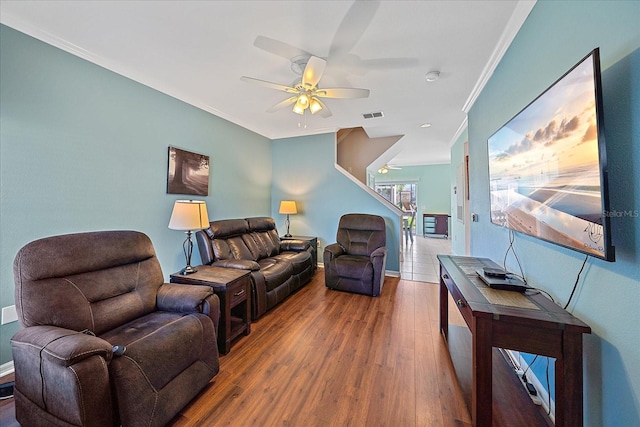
<point x="233" y="287"/>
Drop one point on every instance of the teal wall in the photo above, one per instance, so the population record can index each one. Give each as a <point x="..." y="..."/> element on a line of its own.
<point x="555" y="36"/>
<point x="83" y="148"/>
<point x="434" y="187"/>
<point x="456" y="226"/>
<point x="304" y="170"/>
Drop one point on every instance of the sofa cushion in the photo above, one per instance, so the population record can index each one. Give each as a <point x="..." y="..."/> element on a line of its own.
<point x="232" y="248"/>
<point x="275" y="272"/>
<point x="265" y="244"/>
<point x="265" y="233"/>
<point x="227" y="228"/>
<point x="299" y="260"/>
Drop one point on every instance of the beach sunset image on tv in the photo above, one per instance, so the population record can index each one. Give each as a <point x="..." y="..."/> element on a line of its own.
<point x="544" y="167"/>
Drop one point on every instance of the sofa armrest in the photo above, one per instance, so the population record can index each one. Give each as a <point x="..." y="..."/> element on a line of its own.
<point x="294" y="245"/>
<point x="240" y="264"/>
<point x="60" y="346"/>
<point x="204" y="247"/>
<point x="182" y="298"/>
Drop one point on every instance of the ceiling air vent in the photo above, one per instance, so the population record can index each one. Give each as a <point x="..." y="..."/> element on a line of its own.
<point x="373" y="115"/>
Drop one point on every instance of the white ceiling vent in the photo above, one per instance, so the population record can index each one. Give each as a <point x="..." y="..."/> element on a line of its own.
<point x="373" y="115"/>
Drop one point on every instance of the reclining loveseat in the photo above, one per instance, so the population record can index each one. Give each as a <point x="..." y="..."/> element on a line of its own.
<point x="278" y="268"/>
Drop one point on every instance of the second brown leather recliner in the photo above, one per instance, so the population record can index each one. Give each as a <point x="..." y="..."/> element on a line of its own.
<point x="357" y="261"/>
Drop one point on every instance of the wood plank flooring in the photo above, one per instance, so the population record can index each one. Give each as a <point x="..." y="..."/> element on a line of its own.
<point x="329" y="358"/>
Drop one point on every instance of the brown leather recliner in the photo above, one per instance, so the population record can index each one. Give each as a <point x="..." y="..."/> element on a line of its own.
<point x="356" y="263"/>
<point x="77" y="296"/>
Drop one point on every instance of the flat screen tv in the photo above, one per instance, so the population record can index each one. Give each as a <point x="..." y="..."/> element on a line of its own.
<point x="548" y="165"/>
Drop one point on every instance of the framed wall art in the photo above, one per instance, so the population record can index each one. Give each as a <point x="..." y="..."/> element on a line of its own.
<point x="188" y="173"/>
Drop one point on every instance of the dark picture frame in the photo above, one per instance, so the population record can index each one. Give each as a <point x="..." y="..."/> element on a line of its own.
<point x="187" y="173"/>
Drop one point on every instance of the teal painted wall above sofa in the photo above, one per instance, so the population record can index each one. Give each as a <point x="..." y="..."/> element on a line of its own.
<point x="83" y="148"/>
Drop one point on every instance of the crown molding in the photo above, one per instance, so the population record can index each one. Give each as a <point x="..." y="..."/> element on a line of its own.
<point x="519" y="15"/>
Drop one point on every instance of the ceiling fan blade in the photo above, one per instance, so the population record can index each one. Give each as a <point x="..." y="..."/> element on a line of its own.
<point x="325" y="112"/>
<point x="343" y="92"/>
<point x="279" y="48"/>
<point x="270" y="85"/>
<point x="281" y="105"/>
<point x="313" y="72"/>
<point x="352" y="27"/>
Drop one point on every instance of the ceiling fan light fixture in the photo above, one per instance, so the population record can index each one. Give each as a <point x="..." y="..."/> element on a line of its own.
<point x="298" y="108"/>
<point x="383" y="170"/>
<point x="314" y="105"/>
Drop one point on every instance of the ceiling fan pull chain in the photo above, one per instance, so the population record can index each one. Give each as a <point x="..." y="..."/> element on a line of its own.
<point x="304" y="120"/>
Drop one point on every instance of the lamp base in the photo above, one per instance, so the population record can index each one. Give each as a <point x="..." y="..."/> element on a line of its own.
<point x="288" y="235"/>
<point x="188" y="270"/>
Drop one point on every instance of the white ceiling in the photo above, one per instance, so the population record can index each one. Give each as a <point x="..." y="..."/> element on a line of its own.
<point x="197" y="51"/>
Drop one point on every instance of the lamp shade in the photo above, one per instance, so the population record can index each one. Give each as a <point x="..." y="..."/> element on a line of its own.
<point x="288" y="207"/>
<point x="189" y="215"/>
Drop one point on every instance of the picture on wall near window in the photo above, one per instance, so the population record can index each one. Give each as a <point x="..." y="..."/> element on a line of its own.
<point x="188" y="173"/>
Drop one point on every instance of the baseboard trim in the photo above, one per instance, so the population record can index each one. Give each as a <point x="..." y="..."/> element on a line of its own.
<point x="543" y="393"/>
<point x="6" y="368"/>
<point x="390" y="273"/>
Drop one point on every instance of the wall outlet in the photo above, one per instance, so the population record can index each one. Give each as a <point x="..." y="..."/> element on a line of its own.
<point x="9" y="314"/>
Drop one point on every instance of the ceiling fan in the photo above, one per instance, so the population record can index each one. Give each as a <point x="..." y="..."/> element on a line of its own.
<point x="386" y="168"/>
<point x="306" y="93"/>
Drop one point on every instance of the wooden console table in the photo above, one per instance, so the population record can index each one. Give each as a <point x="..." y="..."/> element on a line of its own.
<point x="510" y="320"/>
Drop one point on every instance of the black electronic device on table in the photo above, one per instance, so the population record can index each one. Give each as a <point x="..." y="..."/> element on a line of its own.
<point x="494" y="272"/>
<point x="501" y="280"/>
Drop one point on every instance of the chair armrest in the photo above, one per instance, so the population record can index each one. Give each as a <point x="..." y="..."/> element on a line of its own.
<point x="294" y="245"/>
<point x="332" y="251"/>
<point x="239" y="264"/>
<point x="182" y="298"/>
<point x="63" y="347"/>
<point x="380" y="252"/>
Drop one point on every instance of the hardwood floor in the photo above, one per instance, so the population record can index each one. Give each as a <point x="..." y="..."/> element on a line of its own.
<point x="329" y="358"/>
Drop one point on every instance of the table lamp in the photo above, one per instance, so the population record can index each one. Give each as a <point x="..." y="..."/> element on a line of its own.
<point x="189" y="215"/>
<point x="288" y="207"/>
